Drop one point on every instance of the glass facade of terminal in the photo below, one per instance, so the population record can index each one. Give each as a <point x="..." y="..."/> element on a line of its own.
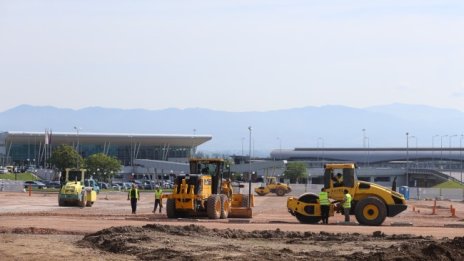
<point x="21" y="154"/>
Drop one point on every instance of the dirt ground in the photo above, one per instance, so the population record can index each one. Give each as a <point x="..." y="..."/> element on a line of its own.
<point x="35" y="228"/>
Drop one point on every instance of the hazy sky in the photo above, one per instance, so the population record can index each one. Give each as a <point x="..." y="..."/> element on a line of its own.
<point x="231" y="55"/>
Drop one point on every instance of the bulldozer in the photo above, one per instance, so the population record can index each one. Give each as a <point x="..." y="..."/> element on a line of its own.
<point x="74" y="192"/>
<point x="371" y="203"/>
<point x="280" y="189"/>
<point x="204" y="192"/>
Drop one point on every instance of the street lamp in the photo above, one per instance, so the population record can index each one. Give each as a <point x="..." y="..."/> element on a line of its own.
<point x="415" y="139"/>
<point x="364" y="137"/>
<point x="460" y="152"/>
<point x="441" y="148"/>
<point x="322" y="146"/>
<point x="77" y="147"/>
<point x="243" y="140"/>
<point x="433" y="149"/>
<point x="249" y="174"/>
<point x="449" y="164"/>
<point x="407" y="158"/>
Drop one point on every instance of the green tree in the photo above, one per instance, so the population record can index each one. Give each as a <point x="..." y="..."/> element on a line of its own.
<point x="295" y="171"/>
<point x="102" y="166"/>
<point x="65" y="156"/>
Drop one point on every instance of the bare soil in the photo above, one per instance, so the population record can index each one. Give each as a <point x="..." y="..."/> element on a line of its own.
<point x="35" y="228"/>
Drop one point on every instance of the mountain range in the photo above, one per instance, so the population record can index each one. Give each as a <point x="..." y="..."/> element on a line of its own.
<point x="325" y="126"/>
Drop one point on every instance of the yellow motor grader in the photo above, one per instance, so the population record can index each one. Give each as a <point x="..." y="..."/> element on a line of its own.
<point x="74" y="192"/>
<point x="204" y="192"/>
<point x="280" y="189"/>
<point x="371" y="203"/>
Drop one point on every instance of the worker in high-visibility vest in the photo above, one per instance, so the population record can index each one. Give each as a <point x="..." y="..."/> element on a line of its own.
<point x="158" y="199"/>
<point x="325" y="205"/>
<point x="346" y="204"/>
<point x="133" y="196"/>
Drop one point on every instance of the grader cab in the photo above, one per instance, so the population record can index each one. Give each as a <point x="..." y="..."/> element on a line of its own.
<point x="371" y="203"/>
<point x="204" y="192"/>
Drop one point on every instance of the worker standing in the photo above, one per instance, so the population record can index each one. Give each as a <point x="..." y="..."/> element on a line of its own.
<point x="158" y="199"/>
<point x="325" y="205"/>
<point x="346" y="204"/>
<point x="133" y="196"/>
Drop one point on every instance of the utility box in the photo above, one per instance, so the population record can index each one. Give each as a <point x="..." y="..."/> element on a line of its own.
<point x="405" y="191"/>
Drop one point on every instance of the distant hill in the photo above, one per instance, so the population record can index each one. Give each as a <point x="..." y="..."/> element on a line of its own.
<point x="328" y="126"/>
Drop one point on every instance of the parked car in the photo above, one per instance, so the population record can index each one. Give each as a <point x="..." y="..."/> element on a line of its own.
<point x="126" y="185"/>
<point x="149" y="184"/>
<point x="3" y="170"/>
<point x="52" y="184"/>
<point x="116" y="186"/>
<point x="104" y="185"/>
<point x="167" y="184"/>
<point x="34" y="184"/>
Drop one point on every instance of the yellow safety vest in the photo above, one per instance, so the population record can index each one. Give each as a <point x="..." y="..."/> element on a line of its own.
<point x="324" y="198"/>
<point x="134" y="193"/>
<point x="158" y="194"/>
<point x="347" y="203"/>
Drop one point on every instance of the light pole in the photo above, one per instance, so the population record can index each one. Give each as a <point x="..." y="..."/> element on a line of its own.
<point x="441" y="148"/>
<point x="280" y="145"/>
<point x="194" y="150"/>
<point x="367" y="153"/>
<point x="243" y="140"/>
<point x="449" y="160"/>
<point x="407" y="159"/>
<point x="364" y="137"/>
<point x="322" y="147"/>
<point x="433" y="149"/>
<point x="415" y="139"/>
<point x="249" y="174"/>
<point x="460" y="152"/>
<point x="77" y="147"/>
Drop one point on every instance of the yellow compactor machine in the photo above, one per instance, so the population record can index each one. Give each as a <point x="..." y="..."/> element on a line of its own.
<point x="204" y="192"/>
<point x="74" y="192"/>
<point x="371" y="203"/>
<point x="272" y="186"/>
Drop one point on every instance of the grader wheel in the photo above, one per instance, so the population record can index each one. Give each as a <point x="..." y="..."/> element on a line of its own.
<point x="214" y="207"/>
<point x="225" y="207"/>
<point x="171" y="208"/>
<point x="371" y="211"/>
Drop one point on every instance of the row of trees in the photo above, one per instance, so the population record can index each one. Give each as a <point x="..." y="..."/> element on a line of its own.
<point x="102" y="166"/>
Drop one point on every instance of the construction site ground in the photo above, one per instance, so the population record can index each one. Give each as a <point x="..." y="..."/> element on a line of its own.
<point x="35" y="228"/>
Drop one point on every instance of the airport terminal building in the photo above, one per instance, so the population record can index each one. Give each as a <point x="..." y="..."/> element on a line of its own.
<point x="423" y="167"/>
<point x="34" y="148"/>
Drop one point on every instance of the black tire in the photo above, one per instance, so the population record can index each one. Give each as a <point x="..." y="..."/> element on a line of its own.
<point x="245" y="201"/>
<point x="60" y="202"/>
<point x="214" y="206"/>
<point x="371" y="211"/>
<point x="280" y="192"/>
<point x="171" y="208"/>
<point x="308" y="198"/>
<point x="225" y="207"/>
<point x="89" y="203"/>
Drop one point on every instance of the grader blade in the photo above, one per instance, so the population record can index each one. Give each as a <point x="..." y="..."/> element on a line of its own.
<point x="241" y="212"/>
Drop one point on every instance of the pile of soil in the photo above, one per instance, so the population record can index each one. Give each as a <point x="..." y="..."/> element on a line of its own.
<point x="195" y="242"/>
